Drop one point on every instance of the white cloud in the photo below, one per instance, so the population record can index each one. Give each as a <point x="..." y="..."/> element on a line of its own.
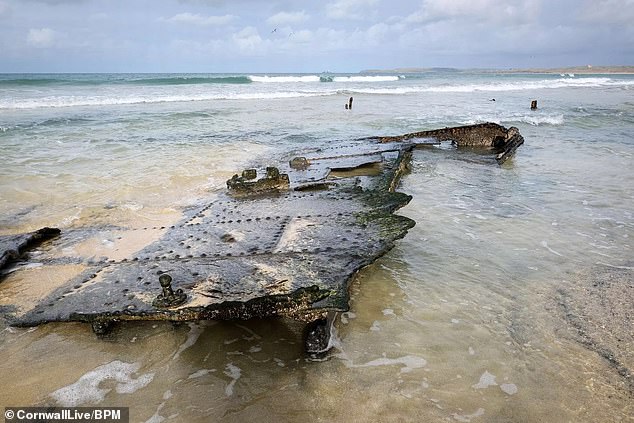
<point x="41" y="38"/>
<point x="303" y="36"/>
<point x="248" y="40"/>
<point x="350" y="9"/>
<point x="287" y="18"/>
<point x="608" y="11"/>
<point x="329" y="40"/>
<point x="511" y="12"/>
<point x="196" y="19"/>
<point x="378" y="33"/>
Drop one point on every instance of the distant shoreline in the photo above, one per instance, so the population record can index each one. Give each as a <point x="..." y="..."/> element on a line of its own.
<point x="614" y="70"/>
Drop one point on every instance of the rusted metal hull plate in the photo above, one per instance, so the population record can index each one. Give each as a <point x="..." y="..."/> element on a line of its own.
<point x="286" y="244"/>
<point x="290" y="253"/>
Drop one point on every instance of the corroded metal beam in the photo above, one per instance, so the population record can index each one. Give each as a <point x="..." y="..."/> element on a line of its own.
<point x="484" y="135"/>
<point x="12" y="247"/>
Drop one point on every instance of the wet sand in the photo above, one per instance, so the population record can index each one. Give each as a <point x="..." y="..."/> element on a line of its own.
<point x="599" y="309"/>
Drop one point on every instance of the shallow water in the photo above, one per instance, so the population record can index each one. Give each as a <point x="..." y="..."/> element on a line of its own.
<point x="460" y="322"/>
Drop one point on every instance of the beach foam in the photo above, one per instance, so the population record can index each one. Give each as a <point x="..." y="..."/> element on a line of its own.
<point x="284" y="79"/>
<point x="501" y="86"/>
<point x="234" y="372"/>
<point x="535" y="119"/>
<point x="86" y="390"/>
<point x="509" y="388"/>
<point x="323" y="78"/>
<point x="408" y="363"/>
<point x="486" y="380"/>
<point x="377" y="78"/>
<point x="194" y="333"/>
<point x="81" y="101"/>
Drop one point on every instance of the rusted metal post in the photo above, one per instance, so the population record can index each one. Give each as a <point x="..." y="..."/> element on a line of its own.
<point x="169" y="297"/>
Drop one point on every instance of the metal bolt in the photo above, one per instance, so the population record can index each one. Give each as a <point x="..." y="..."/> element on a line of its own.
<point x="169" y="297"/>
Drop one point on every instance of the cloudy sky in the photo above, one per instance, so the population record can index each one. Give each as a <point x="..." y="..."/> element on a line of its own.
<point x="310" y="36"/>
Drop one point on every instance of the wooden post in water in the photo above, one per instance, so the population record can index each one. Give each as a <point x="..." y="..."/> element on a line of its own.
<point x="534" y="105"/>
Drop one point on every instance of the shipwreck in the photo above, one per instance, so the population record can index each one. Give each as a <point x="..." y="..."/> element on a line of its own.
<point x="285" y="240"/>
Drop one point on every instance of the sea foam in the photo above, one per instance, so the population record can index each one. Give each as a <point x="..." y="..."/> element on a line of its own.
<point x="323" y="78"/>
<point x="377" y="78"/>
<point x="534" y="119"/>
<point x="80" y="101"/>
<point x="408" y="363"/>
<point x="278" y="79"/>
<point x="499" y="86"/>
<point x="87" y="391"/>
<point x="234" y="372"/>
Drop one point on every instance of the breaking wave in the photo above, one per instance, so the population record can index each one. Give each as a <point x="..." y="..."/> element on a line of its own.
<point x="514" y="118"/>
<point x="366" y="78"/>
<point x="536" y="120"/>
<point x="502" y="86"/>
<point x="284" y="79"/>
<point x="149" y="79"/>
<point x="360" y="78"/>
<point x="74" y="101"/>
<point x="323" y="78"/>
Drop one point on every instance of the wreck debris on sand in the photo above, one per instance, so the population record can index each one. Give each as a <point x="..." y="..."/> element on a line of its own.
<point x="12" y="247"/>
<point x="285" y="244"/>
<point x="484" y="135"/>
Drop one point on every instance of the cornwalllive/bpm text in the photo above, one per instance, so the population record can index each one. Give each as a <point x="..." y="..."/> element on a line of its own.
<point x="67" y="414"/>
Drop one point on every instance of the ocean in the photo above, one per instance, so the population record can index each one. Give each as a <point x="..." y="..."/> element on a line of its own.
<point x="467" y="319"/>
